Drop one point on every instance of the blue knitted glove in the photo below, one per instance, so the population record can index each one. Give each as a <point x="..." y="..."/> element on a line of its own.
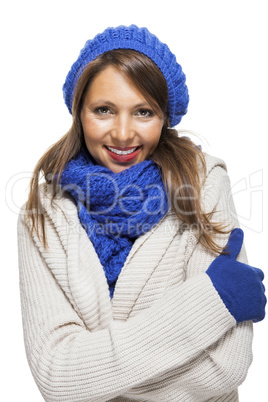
<point x="239" y="285"/>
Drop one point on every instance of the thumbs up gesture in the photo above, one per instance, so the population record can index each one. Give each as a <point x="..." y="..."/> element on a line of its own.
<point x="239" y="285"/>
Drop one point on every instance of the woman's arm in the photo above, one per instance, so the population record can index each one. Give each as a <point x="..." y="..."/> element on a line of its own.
<point x="69" y="362"/>
<point x="223" y="366"/>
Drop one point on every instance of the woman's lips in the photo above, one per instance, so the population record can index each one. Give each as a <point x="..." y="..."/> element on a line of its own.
<point x="123" y="154"/>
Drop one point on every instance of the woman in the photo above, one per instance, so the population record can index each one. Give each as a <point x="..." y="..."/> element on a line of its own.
<point x="128" y="293"/>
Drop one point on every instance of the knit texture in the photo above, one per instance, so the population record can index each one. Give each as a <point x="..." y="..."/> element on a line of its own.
<point x="165" y="336"/>
<point x="115" y="208"/>
<point x="239" y="285"/>
<point x="141" y="40"/>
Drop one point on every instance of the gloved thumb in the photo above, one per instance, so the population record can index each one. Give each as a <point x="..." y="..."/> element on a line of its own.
<point x="234" y="244"/>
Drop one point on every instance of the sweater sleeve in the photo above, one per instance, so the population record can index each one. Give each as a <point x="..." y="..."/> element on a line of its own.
<point x="71" y="363"/>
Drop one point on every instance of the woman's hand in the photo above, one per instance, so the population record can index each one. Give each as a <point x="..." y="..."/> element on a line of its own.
<point x="239" y="285"/>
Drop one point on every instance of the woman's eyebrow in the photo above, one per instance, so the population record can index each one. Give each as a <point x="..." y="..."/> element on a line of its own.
<point x="101" y="102"/>
<point x="109" y="103"/>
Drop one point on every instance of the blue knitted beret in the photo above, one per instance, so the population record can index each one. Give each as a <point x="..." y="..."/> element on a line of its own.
<point x="139" y="39"/>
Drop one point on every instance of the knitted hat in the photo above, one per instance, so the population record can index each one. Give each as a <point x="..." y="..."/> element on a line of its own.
<point x="139" y="39"/>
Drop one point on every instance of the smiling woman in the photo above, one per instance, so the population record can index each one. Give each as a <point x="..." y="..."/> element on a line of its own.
<point x="119" y="125"/>
<point x="124" y="294"/>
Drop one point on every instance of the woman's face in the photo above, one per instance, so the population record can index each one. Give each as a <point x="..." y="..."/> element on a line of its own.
<point x="119" y="125"/>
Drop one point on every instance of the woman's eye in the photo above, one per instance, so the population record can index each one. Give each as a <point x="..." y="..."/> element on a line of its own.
<point x="102" y="110"/>
<point x="145" y="113"/>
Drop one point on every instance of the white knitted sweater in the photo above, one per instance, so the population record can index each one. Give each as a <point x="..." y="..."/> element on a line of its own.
<point x="165" y="336"/>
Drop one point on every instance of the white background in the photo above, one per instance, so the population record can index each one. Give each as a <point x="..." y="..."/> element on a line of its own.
<point x="222" y="47"/>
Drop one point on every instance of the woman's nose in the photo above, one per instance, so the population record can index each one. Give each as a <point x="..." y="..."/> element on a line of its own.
<point x="123" y="130"/>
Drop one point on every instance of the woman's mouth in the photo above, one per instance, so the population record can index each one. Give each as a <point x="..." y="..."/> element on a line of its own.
<point x="123" y="154"/>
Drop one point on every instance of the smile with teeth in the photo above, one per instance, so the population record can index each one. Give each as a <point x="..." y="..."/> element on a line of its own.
<point x="121" y="151"/>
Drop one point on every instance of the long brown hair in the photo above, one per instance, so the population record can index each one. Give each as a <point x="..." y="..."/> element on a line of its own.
<point x="179" y="159"/>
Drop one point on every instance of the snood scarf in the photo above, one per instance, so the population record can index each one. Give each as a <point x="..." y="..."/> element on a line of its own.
<point x="115" y="208"/>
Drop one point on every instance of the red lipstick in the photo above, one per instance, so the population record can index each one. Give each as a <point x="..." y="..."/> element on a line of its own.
<point x="123" y="154"/>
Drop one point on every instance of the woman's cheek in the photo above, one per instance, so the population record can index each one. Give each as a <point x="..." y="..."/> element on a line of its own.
<point x="94" y="126"/>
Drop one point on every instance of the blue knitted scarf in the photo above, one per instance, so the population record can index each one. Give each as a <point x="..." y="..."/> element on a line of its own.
<point x="115" y="208"/>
